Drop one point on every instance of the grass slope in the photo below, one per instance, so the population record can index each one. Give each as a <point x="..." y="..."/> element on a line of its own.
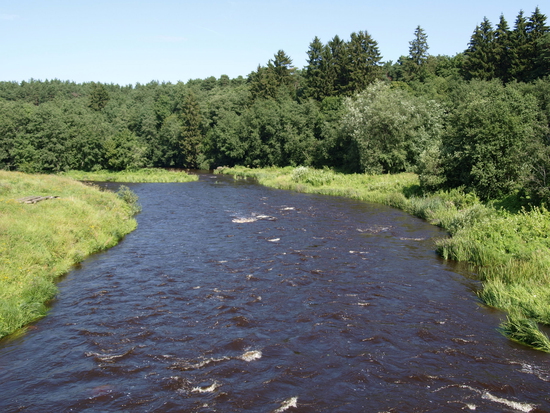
<point x="39" y="242"/>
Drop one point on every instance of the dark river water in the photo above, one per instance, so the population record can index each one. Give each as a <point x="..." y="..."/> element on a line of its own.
<point x="233" y="297"/>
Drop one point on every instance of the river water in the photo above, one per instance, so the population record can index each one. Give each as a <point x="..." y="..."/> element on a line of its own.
<point x="234" y="297"/>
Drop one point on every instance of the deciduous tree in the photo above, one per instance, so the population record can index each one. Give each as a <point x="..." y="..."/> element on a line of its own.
<point x="388" y="129"/>
<point x="485" y="147"/>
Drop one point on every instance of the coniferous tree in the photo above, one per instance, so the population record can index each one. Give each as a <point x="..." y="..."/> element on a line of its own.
<point x="536" y="25"/>
<point x="363" y="62"/>
<point x="329" y="73"/>
<point x="507" y="54"/>
<point x="191" y="133"/>
<point x="262" y="83"/>
<point x="414" y="66"/>
<point x="418" y="50"/>
<point x="281" y="67"/>
<point x="338" y="63"/>
<point x="99" y="97"/>
<point x="479" y="60"/>
<point x="520" y="49"/>
<point x="503" y="50"/>
<point x="542" y="62"/>
<point x="536" y="30"/>
<point x="315" y="70"/>
<point x="324" y="70"/>
<point x="279" y="76"/>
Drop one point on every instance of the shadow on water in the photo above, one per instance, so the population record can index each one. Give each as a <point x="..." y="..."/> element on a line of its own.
<point x="233" y="297"/>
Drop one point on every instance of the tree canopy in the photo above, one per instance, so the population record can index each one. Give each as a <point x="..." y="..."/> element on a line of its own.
<point x="478" y="121"/>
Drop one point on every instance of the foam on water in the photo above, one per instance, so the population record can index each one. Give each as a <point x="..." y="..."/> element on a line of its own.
<point x="243" y="220"/>
<point x="266" y="217"/>
<point x="108" y="358"/>
<point x="206" y="389"/>
<point x="485" y="395"/>
<point x="287" y="404"/>
<point x="251" y="355"/>
<point x="522" y="407"/>
<point x="537" y="371"/>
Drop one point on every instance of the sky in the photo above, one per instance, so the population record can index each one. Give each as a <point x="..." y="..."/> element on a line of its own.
<point x="127" y="42"/>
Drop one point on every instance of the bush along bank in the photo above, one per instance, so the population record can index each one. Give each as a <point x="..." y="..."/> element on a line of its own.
<point x="508" y="251"/>
<point x="41" y="241"/>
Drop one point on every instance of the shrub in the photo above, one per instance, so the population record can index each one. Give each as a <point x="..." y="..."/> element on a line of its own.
<point x="130" y="197"/>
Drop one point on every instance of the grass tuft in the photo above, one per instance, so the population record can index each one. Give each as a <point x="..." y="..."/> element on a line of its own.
<point x="525" y="330"/>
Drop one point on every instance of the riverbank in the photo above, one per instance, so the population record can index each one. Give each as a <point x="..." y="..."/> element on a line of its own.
<point x="141" y="175"/>
<point x="508" y="251"/>
<point x="40" y="242"/>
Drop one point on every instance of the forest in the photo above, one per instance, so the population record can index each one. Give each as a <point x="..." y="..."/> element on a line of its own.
<point x="478" y="121"/>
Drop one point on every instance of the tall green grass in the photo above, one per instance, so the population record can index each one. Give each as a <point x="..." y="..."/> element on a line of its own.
<point x="141" y="175"/>
<point x="40" y="242"/>
<point x="509" y="252"/>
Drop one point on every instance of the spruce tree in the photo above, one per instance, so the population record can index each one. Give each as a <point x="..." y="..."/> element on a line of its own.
<point x="99" y="97"/>
<point x="282" y="68"/>
<point x="536" y="30"/>
<point x="329" y="73"/>
<point x="338" y="64"/>
<point x="191" y="131"/>
<point x="262" y="83"/>
<point x="542" y="62"/>
<point x="314" y="70"/>
<point x="418" y="50"/>
<point x="279" y="75"/>
<point x="413" y="66"/>
<point x="536" y="26"/>
<point x="503" y="50"/>
<point x="520" y="49"/>
<point x="363" y="65"/>
<point x="479" y="60"/>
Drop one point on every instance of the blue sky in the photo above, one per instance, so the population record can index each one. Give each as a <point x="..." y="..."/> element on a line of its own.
<point x="126" y="42"/>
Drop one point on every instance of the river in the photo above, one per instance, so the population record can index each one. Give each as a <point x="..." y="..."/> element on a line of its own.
<point x="233" y="297"/>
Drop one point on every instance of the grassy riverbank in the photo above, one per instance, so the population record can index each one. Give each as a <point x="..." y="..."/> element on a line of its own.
<point x="509" y="248"/>
<point x="40" y="242"/>
<point x="141" y="175"/>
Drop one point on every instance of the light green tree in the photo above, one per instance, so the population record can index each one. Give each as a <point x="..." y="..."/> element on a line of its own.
<point x="388" y="129"/>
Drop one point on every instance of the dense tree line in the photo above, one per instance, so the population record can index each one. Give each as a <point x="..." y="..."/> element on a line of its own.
<point x="478" y="120"/>
<point x="521" y="54"/>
